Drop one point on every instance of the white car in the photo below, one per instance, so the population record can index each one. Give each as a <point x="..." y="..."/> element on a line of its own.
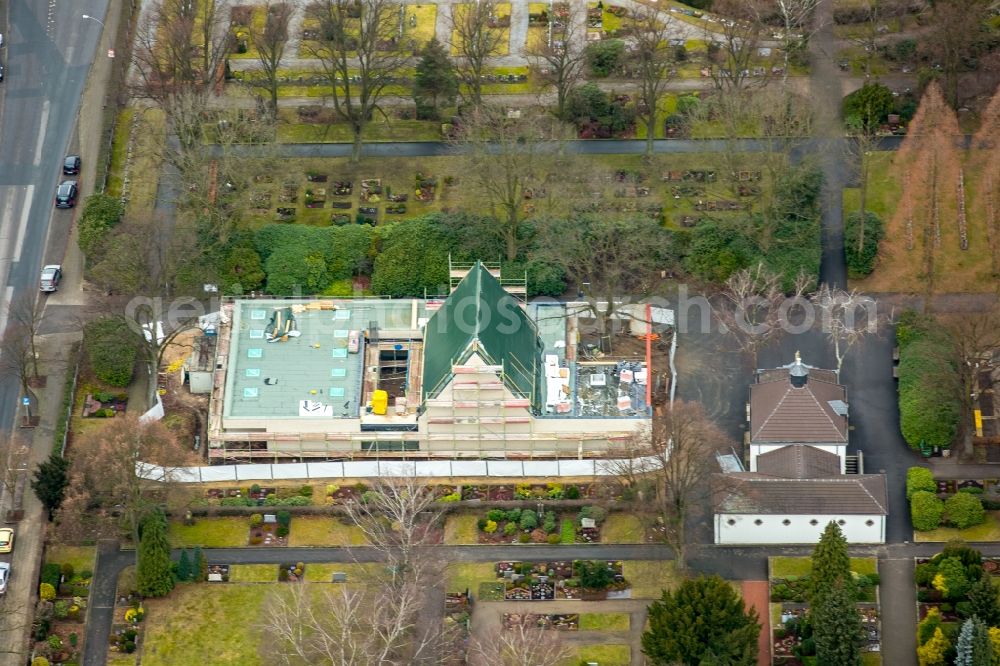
<point x="4" y="576"/>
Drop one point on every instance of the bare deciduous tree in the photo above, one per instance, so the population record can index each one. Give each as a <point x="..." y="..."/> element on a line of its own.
<point x="610" y="260"/>
<point x="846" y="318"/>
<point x="561" y="59"/>
<point x="216" y="35"/>
<point x="396" y="518"/>
<point x="506" y="159"/>
<point x="269" y="40"/>
<point x="798" y="22"/>
<point x="752" y="311"/>
<point x="523" y="644"/>
<point x="475" y="40"/>
<point x="678" y="454"/>
<point x="109" y="470"/>
<point x="382" y="620"/>
<point x="735" y="41"/>
<point x="653" y="59"/>
<point x="970" y="344"/>
<point x="25" y="312"/>
<point x="360" y="54"/>
<point x="876" y="12"/>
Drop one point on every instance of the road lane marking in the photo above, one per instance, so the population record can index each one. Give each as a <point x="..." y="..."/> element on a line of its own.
<point x="41" y="133"/>
<point x="23" y="227"/>
<point x="8" y="298"/>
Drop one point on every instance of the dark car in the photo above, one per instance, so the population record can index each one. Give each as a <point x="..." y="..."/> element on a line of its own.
<point x="71" y="166"/>
<point x="50" y="278"/>
<point x="1" y="72"/>
<point x="66" y="194"/>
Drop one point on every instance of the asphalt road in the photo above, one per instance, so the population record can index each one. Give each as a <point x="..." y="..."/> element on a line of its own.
<point x="48" y="52"/>
<point x="577" y="146"/>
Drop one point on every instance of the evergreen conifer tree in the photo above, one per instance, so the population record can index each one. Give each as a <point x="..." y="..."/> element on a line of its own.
<point x="154" y="571"/>
<point x="434" y="81"/>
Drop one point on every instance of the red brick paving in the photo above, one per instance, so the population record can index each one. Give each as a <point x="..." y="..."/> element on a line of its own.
<point x="755" y="594"/>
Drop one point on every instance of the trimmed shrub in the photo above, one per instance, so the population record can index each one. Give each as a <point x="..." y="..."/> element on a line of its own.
<point x="111" y="349"/>
<point x="604" y="57"/>
<point x="101" y="213"/>
<point x="862" y="263"/>
<point x="496" y="515"/>
<point x="964" y="510"/>
<point x="510" y="528"/>
<point x="919" y="479"/>
<point x="928" y="407"/>
<point x="490" y="527"/>
<point x="529" y="519"/>
<point x="51" y="573"/>
<point x="926" y="510"/>
<point x="572" y="493"/>
<point x="46" y="592"/>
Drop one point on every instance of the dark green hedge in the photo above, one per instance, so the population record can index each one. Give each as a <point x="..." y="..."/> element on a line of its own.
<point x="928" y="407"/>
<point x="861" y="264"/>
<point x="111" y="350"/>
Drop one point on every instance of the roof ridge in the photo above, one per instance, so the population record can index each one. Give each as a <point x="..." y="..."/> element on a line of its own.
<point x="827" y="415"/>
<point x="869" y="493"/>
<point x="773" y="411"/>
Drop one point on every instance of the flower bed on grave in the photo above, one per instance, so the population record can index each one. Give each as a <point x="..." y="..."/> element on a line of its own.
<point x="104" y="404"/>
<point x="545" y="581"/>
<point x="257" y="495"/>
<point x="557" y="621"/>
<point x="528" y="526"/>
<point x="291" y="573"/>
<point x="126" y="628"/>
<point x="270" y="529"/>
<point x="315" y="197"/>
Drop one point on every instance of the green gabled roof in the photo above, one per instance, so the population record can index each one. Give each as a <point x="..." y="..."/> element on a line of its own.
<point x="480" y="316"/>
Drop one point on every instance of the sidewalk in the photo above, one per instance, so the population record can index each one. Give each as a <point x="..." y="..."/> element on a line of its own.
<point x="26" y="559"/>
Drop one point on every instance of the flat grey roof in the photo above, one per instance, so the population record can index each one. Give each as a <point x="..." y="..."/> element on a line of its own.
<point x="271" y="379"/>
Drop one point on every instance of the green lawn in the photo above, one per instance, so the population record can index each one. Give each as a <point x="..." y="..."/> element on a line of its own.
<point x="460" y="528"/>
<point x="649" y="578"/>
<point x="81" y="557"/>
<point x="622" y="528"/>
<point x="324" y="531"/>
<point x="605" y="621"/>
<point x="223" y="532"/>
<point x="254" y="573"/>
<point x="603" y="654"/>
<point x="782" y="567"/>
<point x="205" y="621"/>
<point x="323" y="572"/>
<point x="988" y="531"/>
<point x="460" y="576"/>
<point x="119" y="146"/>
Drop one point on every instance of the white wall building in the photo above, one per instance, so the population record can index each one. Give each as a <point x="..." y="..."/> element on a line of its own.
<point x="797" y="482"/>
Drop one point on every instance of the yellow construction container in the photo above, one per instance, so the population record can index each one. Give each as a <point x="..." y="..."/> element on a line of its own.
<point x="380" y="402"/>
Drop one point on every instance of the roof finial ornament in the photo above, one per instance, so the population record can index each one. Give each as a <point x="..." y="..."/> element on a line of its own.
<point x="798" y="372"/>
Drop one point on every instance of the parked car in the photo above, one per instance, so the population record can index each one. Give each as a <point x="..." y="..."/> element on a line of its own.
<point x="6" y="540"/>
<point x="51" y="276"/>
<point x="71" y="165"/>
<point x="1" y="72"/>
<point x="66" y="194"/>
<point x="4" y="576"/>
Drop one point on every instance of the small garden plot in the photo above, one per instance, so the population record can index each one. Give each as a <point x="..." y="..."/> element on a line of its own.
<point x="246" y="19"/>
<point x="542" y="581"/>
<point x="790" y="578"/>
<point x="257" y="495"/>
<point x="221" y="532"/>
<point x="291" y="573"/>
<point x="528" y="526"/>
<point x="270" y="529"/>
<point x="104" y="404"/>
<point x="603" y="654"/>
<point x="315" y="197"/>
<point x="499" y="22"/>
<point x="556" y="621"/>
<point x="62" y="608"/>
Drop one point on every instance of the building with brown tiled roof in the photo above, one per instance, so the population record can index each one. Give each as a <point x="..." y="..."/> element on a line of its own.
<point x="797" y="482"/>
<point x="797" y="404"/>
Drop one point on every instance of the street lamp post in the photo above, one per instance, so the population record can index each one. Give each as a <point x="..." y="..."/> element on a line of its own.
<point x="92" y="18"/>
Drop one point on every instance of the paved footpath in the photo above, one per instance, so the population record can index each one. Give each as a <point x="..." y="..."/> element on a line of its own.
<point x="897" y="594"/>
